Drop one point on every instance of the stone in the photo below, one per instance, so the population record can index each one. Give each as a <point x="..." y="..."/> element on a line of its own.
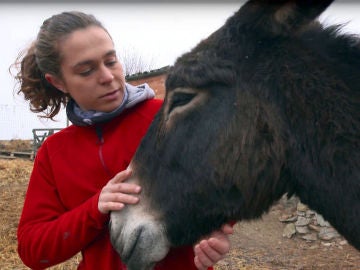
<point x="302" y="229"/>
<point x="288" y="218"/>
<point x="301" y="213"/>
<point x="301" y="207"/>
<point x="321" y="221"/>
<point x="308" y="225"/>
<point x="314" y="227"/>
<point x="343" y="242"/>
<point x="328" y="234"/>
<point x="311" y="237"/>
<point x="309" y="213"/>
<point x="289" y="230"/>
<point x="302" y="221"/>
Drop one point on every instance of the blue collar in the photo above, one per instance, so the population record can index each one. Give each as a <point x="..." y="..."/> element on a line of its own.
<point x="132" y="96"/>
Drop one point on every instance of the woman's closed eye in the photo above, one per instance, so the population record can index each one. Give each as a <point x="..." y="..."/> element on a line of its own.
<point x="86" y="72"/>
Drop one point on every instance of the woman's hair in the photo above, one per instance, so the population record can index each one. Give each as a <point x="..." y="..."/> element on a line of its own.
<point x="43" y="56"/>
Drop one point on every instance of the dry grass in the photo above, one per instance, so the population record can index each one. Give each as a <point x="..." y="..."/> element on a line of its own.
<point x="13" y="179"/>
<point x="14" y="176"/>
<point x="16" y="145"/>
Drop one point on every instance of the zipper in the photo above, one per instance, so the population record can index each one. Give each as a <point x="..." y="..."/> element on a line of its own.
<point x="101" y="142"/>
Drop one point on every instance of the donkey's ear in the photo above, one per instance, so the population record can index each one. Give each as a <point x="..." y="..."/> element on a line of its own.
<point x="281" y="17"/>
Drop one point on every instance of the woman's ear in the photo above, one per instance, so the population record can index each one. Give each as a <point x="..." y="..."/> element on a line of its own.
<point x="56" y="82"/>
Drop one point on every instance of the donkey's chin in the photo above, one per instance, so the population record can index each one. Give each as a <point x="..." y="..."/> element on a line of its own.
<point x="140" y="241"/>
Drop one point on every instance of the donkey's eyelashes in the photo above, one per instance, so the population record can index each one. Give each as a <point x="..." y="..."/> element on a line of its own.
<point x="181" y="102"/>
<point x="180" y="99"/>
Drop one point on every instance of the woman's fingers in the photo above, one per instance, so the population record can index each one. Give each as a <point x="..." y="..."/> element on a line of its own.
<point x="120" y="197"/>
<point x="206" y="255"/>
<point x="121" y="176"/>
<point x="211" y="250"/>
<point x="116" y="193"/>
<point x="117" y="184"/>
<point x="227" y="229"/>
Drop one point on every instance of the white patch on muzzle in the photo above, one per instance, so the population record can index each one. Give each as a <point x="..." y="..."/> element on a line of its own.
<point x="138" y="238"/>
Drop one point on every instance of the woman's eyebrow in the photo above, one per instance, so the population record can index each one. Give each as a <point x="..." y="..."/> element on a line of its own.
<point x="111" y="52"/>
<point x="88" y="62"/>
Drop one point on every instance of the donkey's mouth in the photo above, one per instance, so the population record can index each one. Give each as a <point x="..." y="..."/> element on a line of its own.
<point x="141" y="242"/>
<point x="132" y="245"/>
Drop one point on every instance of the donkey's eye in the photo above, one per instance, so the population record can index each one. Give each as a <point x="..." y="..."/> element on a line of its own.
<point x="180" y="99"/>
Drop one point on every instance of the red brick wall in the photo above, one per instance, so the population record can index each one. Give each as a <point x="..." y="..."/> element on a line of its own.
<point x="155" y="82"/>
<point x="155" y="79"/>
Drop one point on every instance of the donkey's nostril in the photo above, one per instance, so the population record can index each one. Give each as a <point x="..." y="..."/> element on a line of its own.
<point x="140" y="244"/>
<point x="131" y="245"/>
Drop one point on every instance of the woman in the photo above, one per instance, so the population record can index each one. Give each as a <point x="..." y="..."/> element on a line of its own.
<point x="79" y="173"/>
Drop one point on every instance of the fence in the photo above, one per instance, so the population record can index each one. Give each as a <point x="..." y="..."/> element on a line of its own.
<point x="39" y="136"/>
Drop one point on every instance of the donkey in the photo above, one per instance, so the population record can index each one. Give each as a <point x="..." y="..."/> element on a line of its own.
<point x="267" y="105"/>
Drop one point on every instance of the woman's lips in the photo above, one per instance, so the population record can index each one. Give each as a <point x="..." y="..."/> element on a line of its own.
<point x="111" y="95"/>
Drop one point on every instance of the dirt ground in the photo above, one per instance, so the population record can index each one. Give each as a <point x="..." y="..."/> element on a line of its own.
<point x="260" y="245"/>
<point x="255" y="245"/>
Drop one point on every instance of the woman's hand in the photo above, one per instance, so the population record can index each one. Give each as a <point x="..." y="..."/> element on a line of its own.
<point x="212" y="249"/>
<point x="115" y="194"/>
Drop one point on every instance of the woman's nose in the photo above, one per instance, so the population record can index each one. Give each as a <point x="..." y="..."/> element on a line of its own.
<point x="106" y="75"/>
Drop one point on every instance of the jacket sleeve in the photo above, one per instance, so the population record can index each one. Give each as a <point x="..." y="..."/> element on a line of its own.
<point x="48" y="233"/>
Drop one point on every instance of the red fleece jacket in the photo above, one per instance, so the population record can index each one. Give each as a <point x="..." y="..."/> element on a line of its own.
<point x="60" y="215"/>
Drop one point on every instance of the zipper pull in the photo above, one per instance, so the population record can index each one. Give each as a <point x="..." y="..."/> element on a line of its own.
<point x="99" y="135"/>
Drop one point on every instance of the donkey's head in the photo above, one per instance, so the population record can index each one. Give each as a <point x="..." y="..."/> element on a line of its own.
<point x="238" y="111"/>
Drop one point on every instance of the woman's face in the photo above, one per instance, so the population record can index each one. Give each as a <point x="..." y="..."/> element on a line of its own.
<point x="91" y="72"/>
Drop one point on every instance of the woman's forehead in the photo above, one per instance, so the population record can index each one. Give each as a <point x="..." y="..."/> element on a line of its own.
<point x="86" y="44"/>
